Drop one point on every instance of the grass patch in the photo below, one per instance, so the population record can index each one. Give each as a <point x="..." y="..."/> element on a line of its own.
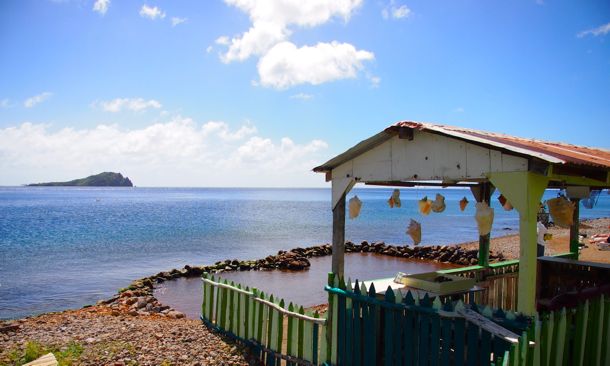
<point x="34" y="350"/>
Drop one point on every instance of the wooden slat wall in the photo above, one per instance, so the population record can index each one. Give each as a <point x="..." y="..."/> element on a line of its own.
<point x="407" y="331"/>
<point x="570" y="336"/>
<point x="238" y="311"/>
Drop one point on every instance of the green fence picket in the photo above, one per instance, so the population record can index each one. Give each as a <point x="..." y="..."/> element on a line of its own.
<point x="605" y="354"/>
<point x="582" y="315"/>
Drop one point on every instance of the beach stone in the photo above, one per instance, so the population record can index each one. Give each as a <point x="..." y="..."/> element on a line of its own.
<point x="174" y="314"/>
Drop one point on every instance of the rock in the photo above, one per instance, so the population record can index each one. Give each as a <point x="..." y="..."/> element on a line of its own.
<point x="141" y="303"/>
<point x="175" y="314"/>
<point x="133" y="312"/>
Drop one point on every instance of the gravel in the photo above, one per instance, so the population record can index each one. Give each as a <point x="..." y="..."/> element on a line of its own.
<point x="122" y="339"/>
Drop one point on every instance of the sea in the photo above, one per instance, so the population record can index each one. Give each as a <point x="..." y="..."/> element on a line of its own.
<point x="65" y="247"/>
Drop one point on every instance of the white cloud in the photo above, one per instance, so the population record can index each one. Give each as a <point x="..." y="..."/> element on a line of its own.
<point x="271" y="20"/>
<point x="285" y="65"/>
<point x="179" y="152"/>
<point x="36" y="99"/>
<point x="375" y="81"/>
<point x="223" y="40"/>
<point x="459" y="110"/>
<point x="132" y="104"/>
<point x="302" y="96"/>
<point x="101" y="6"/>
<point x="209" y="49"/>
<point x="5" y="103"/>
<point x="602" y="30"/>
<point x="151" y="12"/>
<point x="176" y="21"/>
<point x="394" y="11"/>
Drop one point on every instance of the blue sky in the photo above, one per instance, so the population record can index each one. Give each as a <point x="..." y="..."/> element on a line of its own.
<point x="256" y="93"/>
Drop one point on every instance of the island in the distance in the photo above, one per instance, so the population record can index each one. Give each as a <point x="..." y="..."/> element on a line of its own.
<point x="106" y="179"/>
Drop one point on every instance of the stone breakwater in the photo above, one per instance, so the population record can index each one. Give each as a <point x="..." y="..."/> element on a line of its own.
<point x="137" y="298"/>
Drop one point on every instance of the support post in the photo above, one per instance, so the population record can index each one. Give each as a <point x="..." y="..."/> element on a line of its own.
<point x="338" y="255"/>
<point x="575" y="228"/>
<point x="524" y="191"/>
<point x="482" y="193"/>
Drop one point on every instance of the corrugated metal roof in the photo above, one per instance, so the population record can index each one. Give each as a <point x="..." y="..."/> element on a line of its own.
<point x="553" y="152"/>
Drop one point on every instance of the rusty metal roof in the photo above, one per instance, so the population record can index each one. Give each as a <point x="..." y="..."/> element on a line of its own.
<point x="552" y="152"/>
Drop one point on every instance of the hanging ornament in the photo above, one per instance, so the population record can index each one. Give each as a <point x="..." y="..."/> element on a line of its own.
<point x="463" y="204"/>
<point x="394" y="200"/>
<point x="484" y="217"/>
<point x="354" y="207"/>
<point x="439" y="203"/>
<point x="504" y="202"/>
<point x="561" y="210"/>
<point x="414" y="231"/>
<point x="425" y="206"/>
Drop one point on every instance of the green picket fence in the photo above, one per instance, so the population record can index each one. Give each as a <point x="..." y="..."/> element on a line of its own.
<point x="570" y="336"/>
<point x="278" y="334"/>
<point x="392" y="330"/>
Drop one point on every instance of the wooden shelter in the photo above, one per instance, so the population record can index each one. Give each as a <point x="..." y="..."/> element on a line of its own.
<point x="409" y="154"/>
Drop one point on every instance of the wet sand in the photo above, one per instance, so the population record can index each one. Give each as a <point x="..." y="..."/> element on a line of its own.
<point x="304" y="287"/>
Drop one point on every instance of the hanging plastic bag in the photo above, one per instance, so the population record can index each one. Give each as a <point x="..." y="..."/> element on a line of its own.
<point x="425" y="206"/>
<point x="394" y="200"/>
<point x="354" y="207"/>
<point x="484" y="217"/>
<point x="504" y="202"/>
<point x="439" y="204"/>
<point x="463" y="203"/>
<point x="592" y="200"/>
<point x="561" y="210"/>
<point x="414" y="231"/>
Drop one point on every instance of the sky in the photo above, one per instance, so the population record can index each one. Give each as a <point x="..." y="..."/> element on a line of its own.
<point x="247" y="93"/>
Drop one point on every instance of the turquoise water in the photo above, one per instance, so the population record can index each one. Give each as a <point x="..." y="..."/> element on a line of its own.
<point x="66" y="247"/>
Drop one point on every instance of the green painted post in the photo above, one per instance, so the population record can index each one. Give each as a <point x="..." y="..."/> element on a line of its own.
<point x="460" y="336"/>
<point x="223" y="308"/>
<point x="301" y="335"/>
<point x="485" y="350"/>
<point x="605" y="356"/>
<point x="357" y="328"/>
<point x="262" y="321"/>
<point x="559" y="342"/>
<point x="213" y="290"/>
<point x="524" y="191"/>
<point x="280" y="328"/>
<point x="322" y="346"/>
<point x="270" y="328"/>
<point x="446" y="344"/>
<point x="582" y="314"/>
<point x="308" y="339"/>
<point x="231" y="316"/>
<point x="341" y="334"/>
<point x="410" y="338"/>
<point x="575" y="228"/>
<point x="204" y="302"/>
<point x="330" y="319"/>
<point x="435" y="338"/>
<point x="388" y="329"/>
<point x="546" y="331"/>
<point x="315" y="347"/>
<point x="290" y="336"/>
<point x="472" y="342"/>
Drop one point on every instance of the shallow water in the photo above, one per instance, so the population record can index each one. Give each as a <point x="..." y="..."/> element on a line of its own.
<point x="304" y="288"/>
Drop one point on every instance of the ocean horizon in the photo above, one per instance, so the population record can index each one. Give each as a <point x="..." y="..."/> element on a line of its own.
<point x="65" y="247"/>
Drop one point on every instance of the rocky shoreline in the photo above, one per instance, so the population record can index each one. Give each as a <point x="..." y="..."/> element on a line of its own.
<point x="138" y="299"/>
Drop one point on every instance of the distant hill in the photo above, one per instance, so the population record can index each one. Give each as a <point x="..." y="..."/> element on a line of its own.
<point x="106" y="179"/>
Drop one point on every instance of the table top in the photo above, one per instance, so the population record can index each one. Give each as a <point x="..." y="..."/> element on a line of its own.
<point x="381" y="286"/>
